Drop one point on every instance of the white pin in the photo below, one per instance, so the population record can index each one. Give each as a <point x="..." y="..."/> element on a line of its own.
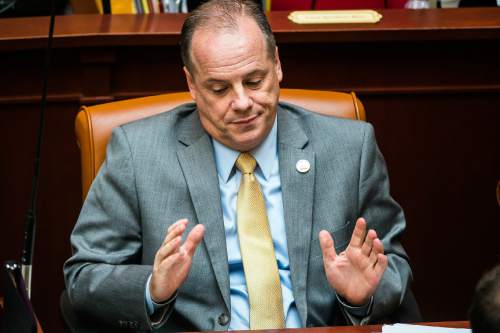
<point x="303" y="166"/>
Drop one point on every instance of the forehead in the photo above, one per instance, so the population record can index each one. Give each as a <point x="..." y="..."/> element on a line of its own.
<point x="224" y="50"/>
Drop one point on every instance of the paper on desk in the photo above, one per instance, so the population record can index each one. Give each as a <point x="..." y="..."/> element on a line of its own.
<point x="405" y="328"/>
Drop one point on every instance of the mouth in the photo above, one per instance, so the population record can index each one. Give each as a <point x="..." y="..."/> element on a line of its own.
<point x="246" y="120"/>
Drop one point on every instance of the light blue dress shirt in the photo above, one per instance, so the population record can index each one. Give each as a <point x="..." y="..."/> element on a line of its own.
<point x="267" y="173"/>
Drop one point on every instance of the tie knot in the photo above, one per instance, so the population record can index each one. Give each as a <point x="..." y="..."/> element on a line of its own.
<point x="246" y="163"/>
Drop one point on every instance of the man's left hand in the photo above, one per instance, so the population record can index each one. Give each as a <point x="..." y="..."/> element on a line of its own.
<point x="356" y="272"/>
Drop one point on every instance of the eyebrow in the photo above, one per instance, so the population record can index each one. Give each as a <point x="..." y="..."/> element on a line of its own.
<point x="250" y="74"/>
<point x="214" y="81"/>
<point x="257" y="72"/>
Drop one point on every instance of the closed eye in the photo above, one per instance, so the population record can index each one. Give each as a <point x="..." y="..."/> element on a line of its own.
<point x="218" y="90"/>
<point x="254" y="83"/>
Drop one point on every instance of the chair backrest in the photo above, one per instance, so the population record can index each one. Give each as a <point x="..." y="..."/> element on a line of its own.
<point x="94" y="124"/>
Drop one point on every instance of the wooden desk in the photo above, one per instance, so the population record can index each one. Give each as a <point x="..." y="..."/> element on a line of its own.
<point x="430" y="81"/>
<point x="363" y="329"/>
<point x="132" y="30"/>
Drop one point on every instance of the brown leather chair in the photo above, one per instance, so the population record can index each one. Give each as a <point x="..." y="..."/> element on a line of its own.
<point x="94" y="123"/>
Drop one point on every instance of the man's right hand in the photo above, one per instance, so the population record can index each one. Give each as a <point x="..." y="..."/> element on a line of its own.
<point x="173" y="260"/>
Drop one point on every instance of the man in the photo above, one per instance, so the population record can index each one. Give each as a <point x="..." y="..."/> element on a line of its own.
<point x="484" y="312"/>
<point x="256" y="188"/>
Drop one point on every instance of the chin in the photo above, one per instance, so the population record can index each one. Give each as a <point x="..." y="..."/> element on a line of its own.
<point x="251" y="144"/>
<point x="250" y="139"/>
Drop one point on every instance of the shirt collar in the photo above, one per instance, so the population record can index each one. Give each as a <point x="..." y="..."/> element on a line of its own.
<point x="265" y="155"/>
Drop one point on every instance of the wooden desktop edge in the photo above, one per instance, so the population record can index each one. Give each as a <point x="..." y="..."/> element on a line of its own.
<point x="164" y="29"/>
<point x="363" y="329"/>
<point x="347" y="329"/>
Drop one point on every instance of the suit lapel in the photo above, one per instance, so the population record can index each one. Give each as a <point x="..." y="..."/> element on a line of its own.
<point x="298" y="194"/>
<point x="198" y="164"/>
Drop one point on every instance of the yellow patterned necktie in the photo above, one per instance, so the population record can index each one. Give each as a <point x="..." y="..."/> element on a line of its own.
<point x="257" y="251"/>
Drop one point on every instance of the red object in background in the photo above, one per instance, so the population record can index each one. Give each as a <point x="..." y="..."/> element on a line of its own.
<point x="396" y="3"/>
<point x="336" y="4"/>
<point x="349" y="4"/>
<point x="291" y="4"/>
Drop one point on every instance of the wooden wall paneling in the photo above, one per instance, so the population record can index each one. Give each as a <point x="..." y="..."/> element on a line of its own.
<point x="59" y="198"/>
<point x="442" y="153"/>
<point x="96" y="65"/>
<point x="158" y="69"/>
<point x="393" y="67"/>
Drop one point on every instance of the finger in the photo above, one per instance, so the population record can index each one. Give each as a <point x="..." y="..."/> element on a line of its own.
<point x="172" y="264"/>
<point x="327" y="246"/>
<point x="381" y="264"/>
<point x="171" y="268"/>
<point x="177" y="223"/>
<point x="358" y="235"/>
<point x="168" y="249"/>
<point x="378" y="248"/>
<point x="173" y="226"/>
<point x="193" y="239"/>
<point x="178" y="230"/>
<point x="366" y="249"/>
<point x="372" y="259"/>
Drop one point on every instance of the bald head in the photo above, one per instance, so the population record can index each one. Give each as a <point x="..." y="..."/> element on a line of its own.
<point x="223" y="16"/>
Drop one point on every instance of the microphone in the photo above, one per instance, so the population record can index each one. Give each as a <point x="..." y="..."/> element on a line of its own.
<point x="27" y="255"/>
<point x="30" y="224"/>
<point x="18" y="311"/>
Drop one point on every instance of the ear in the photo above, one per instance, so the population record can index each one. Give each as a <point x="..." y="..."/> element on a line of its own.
<point x="190" y="83"/>
<point x="277" y="65"/>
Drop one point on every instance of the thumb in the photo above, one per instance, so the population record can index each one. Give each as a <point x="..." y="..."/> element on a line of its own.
<point x="327" y="246"/>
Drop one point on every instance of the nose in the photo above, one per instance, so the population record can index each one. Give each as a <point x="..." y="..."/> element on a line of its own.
<point x="241" y="101"/>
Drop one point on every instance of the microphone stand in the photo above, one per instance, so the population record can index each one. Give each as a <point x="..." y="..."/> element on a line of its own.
<point x="30" y="225"/>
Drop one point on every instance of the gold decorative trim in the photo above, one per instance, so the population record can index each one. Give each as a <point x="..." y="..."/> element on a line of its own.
<point x="334" y="16"/>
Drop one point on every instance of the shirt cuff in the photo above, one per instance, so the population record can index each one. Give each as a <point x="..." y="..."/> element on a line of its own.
<point x="152" y="307"/>
<point x="356" y="314"/>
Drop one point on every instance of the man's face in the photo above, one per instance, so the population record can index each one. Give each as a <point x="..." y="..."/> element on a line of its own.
<point x="235" y="84"/>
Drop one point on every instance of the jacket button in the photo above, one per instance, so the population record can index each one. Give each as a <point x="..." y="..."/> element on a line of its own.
<point x="223" y="319"/>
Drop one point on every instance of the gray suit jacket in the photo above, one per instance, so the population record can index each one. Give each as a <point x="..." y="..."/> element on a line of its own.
<point x="162" y="168"/>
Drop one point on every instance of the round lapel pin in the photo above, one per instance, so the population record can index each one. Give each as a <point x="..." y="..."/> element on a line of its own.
<point x="303" y="166"/>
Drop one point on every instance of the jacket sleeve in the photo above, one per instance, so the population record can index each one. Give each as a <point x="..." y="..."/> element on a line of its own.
<point x="386" y="217"/>
<point x="104" y="277"/>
